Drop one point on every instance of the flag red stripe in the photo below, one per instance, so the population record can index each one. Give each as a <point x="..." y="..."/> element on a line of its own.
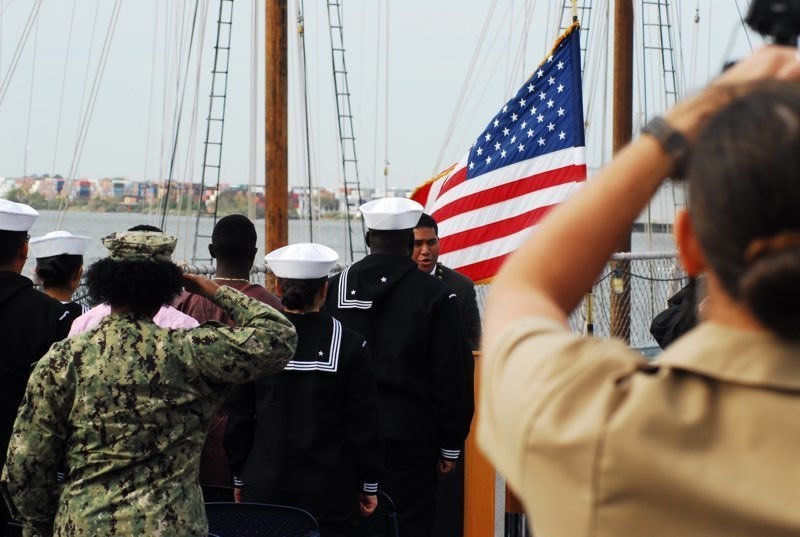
<point x="483" y="270"/>
<point x="492" y="231"/>
<point x="524" y="185"/>
<point x="458" y="177"/>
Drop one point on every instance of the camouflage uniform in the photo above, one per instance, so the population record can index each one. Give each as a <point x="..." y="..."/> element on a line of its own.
<point x="125" y="408"/>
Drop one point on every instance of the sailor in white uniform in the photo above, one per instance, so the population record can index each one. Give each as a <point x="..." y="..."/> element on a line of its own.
<point x="59" y="266"/>
<point x="308" y="436"/>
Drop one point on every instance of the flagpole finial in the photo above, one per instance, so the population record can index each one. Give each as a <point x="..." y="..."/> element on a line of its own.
<point x="574" y="10"/>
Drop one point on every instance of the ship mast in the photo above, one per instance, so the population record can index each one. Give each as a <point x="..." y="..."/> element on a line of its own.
<point x="621" y="135"/>
<point x="276" y="155"/>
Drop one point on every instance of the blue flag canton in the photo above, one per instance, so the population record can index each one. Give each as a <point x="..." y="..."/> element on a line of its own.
<point x="543" y="116"/>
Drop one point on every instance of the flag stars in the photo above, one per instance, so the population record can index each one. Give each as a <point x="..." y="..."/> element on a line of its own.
<point x="560" y="65"/>
<point x="505" y="131"/>
<point x="505" y="109"/>
<point x="562" y="135"/>
<point x="550" y="58"/>
<point x="496" y="146"/>
<point x="496" y="123"/>
<point x="479" y="151"/>
<point x="540" y="73"/>
<point x="550" y="103"/>
<point x="541" y="141"/>
<point x="561" y="88"/>
<point x="521" y="148"/>
<point x="513" y="139"/>
<point x="533" y="110"/>
<point x="488" y="160"/>
<point x="503" y="153"/>
<point x="540" y="118"/>
<point x="471" y="165"/>
<point x="513" y="117"/>
<point x="551" y="127"/>
<point x="560" y="111"/>
<point x="531" y="88"/>
<point x="487" y="137"/>
<point x="551" y="80"/>
<point x="530" y="133"/>
<point x="521" y="102"/>
<point x="542" y="96"/>
<point x="524" y="124"/>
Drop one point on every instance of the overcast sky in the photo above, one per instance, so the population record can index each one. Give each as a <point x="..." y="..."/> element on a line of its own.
<point x="430" y="50"/>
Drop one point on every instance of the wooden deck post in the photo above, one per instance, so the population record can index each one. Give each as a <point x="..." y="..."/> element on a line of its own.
<point x="479" y="481"/>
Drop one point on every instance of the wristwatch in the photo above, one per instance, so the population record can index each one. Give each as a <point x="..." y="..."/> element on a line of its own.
<point x="672" y="141"/>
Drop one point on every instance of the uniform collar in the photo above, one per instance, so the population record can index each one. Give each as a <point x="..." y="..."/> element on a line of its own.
<point x="737" y="356"/>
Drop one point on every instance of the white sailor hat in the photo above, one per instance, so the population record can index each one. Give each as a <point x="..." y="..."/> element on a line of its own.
<point x="16" y="216"/>
<point x="57" y="243"/>
<point x="391" y="213"/>
<point x="302" y="261"/>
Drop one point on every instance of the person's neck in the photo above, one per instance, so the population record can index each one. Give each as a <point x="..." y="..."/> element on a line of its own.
<point x="118" y="310"/>
<point x="400" y="251"/>
<point x="232" y="272"/>
<point x="310" y="309"/>
<point x="723" y="309"/>
<point x="64" y="295"/>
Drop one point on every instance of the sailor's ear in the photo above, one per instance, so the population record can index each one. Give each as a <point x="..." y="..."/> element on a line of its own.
<point x="211" y="251"/>
<point x="689" y="250"/>
<point x="366" y="238"/>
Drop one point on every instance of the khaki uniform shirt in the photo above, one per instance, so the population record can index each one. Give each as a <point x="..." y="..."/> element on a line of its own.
<point x="124" y="409"/>
<point x="597" y="442"/>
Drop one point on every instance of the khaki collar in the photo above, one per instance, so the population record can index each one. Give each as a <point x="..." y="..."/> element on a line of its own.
<point x="736" y="355"/>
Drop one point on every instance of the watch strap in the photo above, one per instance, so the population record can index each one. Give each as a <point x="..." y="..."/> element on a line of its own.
<point x="672" y="141"/>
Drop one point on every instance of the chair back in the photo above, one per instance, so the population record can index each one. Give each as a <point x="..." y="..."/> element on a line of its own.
<point x="382" y="522"/>
<point x="217" y="493"/>
<point x="229" y="519"/>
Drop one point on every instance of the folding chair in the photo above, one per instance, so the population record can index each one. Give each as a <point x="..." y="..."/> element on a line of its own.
<point x="382" y="522"/>
<point x="228" y="519"/>
<point x="216" y="493"/>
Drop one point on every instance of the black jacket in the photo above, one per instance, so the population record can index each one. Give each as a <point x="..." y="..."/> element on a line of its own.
<point x="467" y="302"/>
<point x="313" y="426"/>
<point x="421" y="355"/>
<point x="30" y="321"/>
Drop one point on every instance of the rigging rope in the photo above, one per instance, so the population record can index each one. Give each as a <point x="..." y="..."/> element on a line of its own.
<point x="377" y="102"/>
<point x="178" y="125"/>
<point x="83" y="131"/>
<point x="30" y="99"/>
<point x="63" y="85"/>
<point x="464" y="87"/>
<point x="386" y="112"/>
<point x="26" y="31"/>
<point x="304" y="82"/>
<point x="150" y="97"/>
<point x="254" y="42"/>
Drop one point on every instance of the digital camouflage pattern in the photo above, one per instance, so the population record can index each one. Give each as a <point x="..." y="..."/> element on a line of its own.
<point x="136" y="245"/>
<point x="124" y="408"/>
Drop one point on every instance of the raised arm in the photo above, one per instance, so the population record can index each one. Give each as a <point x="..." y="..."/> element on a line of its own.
<point x="262" y="342"/>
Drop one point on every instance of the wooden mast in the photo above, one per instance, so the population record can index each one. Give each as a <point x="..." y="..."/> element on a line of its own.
<point x="276" y="156"/>
<point x="621" y="135"/>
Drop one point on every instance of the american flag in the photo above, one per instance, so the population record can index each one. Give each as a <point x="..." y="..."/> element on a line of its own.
<point x="529" y="158"/>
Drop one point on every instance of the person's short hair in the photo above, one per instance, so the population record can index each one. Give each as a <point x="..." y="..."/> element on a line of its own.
<point x="426" y="220"/>
<point x="146" y="227"/>
<point x="57" y="270"/>
<point x="382" y="239"/>
<point x="299" y="294"/>
<point x="142" y="285"/>
<point x="745" y="194"/>
<point x="10" y="244"/>
<point x="234" y="237"/>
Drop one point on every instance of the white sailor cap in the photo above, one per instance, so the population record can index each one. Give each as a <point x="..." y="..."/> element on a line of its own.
<point x="302" y="261"/>
<point x="57" y="243"/>
<point x="16" y="216"/>
<point x="391" y="213"/>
